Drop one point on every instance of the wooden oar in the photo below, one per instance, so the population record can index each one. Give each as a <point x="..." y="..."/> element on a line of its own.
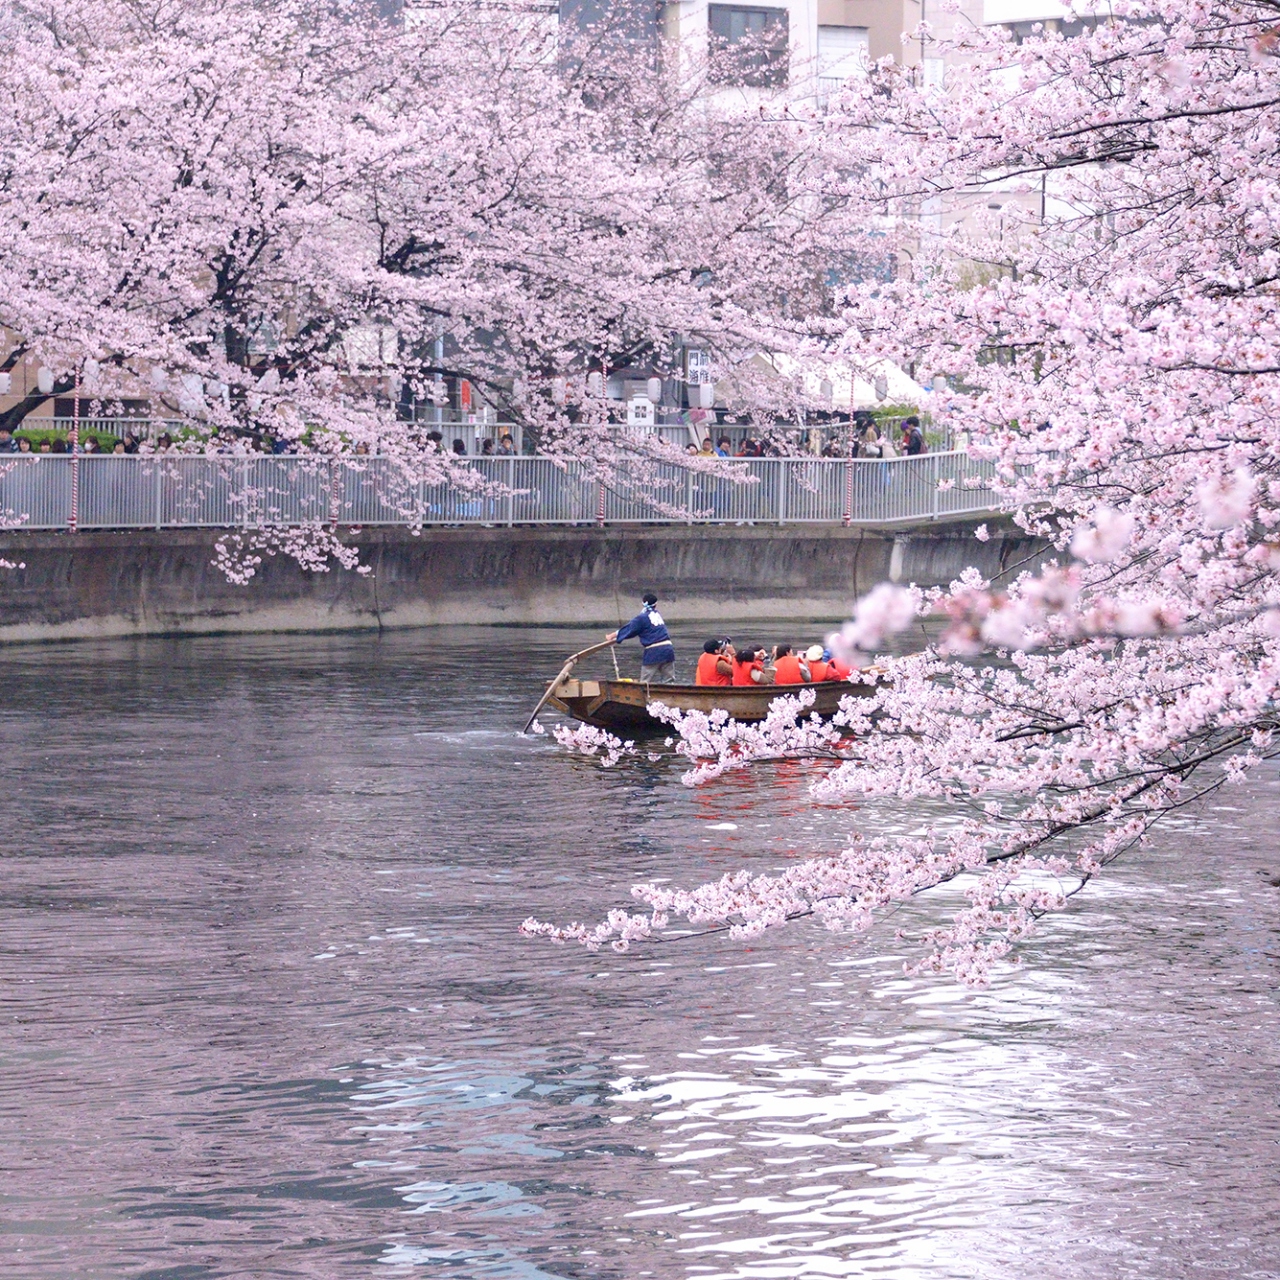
<point x="564" y="671"/>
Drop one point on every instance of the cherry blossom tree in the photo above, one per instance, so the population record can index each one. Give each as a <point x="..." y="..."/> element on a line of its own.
<point x="1109" y="337"/>
<point x="279" y="218"/>
<point x="284" y="223"/>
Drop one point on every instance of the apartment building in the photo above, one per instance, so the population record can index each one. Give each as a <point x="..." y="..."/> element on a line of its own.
<point x="805" y="44"/>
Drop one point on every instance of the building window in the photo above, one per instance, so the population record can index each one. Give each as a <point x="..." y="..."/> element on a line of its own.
<point x="748" y="45"/>
<point x="842" y="52"/>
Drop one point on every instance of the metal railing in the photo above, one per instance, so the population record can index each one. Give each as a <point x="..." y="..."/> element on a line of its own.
<point x="141" y="491"/>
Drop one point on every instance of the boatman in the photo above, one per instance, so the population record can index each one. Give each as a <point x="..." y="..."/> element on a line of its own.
<point x="658" y="661"/>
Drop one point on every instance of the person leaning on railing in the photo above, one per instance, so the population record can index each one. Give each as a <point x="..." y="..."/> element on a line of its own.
<point x="912" y="437"/>
<point x="869" y="442"/>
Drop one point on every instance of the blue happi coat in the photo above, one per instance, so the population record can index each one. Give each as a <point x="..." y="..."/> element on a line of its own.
<point x="649" y="628"/>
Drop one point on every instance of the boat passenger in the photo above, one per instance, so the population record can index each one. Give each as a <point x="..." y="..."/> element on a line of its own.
<point x="790" y="668"/>
<point x="715" y="663"/>
<point x="837" y="668"/>
<point x="658" y="660"/>
<point x="749" y="668"/>
<point x="818" y="669"/>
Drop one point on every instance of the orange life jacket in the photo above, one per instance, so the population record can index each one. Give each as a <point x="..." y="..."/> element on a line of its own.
<point x="707" y="673"/>
<point x="742" y="671"/>
<point x="818" y="671"/>
<point x="788" y="669"/>
<point x="837" y="670"/>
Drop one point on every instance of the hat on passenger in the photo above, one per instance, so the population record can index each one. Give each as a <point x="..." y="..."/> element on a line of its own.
<point x="649" y="598"/>
<point x="813" y="653"/>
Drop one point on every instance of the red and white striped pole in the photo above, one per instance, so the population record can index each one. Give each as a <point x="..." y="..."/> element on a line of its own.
<point x="74" y="518"/>
<point x="600" y="506"/>
<point x="848" y="493"/>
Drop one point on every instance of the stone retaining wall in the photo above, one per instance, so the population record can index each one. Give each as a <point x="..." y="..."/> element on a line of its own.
<point x="164" y="583"/>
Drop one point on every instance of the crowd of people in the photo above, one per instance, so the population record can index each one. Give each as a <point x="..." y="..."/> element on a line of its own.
<point x="504" y="447"/>
<point x="218" y="442"/>
<point x="720" y="663"/>
<point x="9" y="443"/>
<point x="865" y="439"/>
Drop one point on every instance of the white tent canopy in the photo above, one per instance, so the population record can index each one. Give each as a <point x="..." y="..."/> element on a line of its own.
<point x="820" y="383"/>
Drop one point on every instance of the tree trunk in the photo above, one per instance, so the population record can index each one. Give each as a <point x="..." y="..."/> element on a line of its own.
<point x="12" y="418"/>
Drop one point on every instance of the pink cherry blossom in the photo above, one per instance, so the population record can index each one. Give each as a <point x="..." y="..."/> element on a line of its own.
<point x="1105" y="538"/>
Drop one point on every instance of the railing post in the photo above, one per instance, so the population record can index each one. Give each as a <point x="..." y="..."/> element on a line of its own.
<point x="782" y="490"/>
<point x="508" y="501"/>
<point x="159" y="466"/>
<point x="73" y="516"/>
<point x="688" y="496"/>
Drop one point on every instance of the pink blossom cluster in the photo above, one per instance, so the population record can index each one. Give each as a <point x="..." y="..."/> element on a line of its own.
<point x="587" y="740"/>
<point x="314" y="547"/>
<point x="715" y="743"/>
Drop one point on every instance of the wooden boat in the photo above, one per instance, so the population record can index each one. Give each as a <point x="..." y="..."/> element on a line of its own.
<point x="622" y="706"/>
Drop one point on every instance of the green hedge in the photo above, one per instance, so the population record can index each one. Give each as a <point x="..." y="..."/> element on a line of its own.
<point x="104" y="439"/>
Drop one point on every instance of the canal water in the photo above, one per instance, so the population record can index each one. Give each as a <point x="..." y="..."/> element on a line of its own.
<point x="267" y="1013"/>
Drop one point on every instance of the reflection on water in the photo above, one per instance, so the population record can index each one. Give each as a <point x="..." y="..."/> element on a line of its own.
<point x="267" y="1012"/>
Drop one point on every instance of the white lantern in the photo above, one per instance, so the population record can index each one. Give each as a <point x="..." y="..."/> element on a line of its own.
<point x="44" y="381"/>
<point x="640" y="412"/>
<point x="706" y="395"/>
<point x="92" y="378"/>
<point x="654" y="388"/>
<point x="595" y="384"/>
<point x="6" y="381"/>
<point x="559" y="390"/>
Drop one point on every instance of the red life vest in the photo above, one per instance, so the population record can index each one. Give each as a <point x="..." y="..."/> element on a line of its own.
<point x="818" y="671"/>
<point x="788" y="669"/>
<point x="742" y="671"/>
<point x="837" y="670"/>
<point x="707" y="673"/>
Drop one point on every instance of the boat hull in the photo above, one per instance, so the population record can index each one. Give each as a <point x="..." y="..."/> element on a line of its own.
<point x="622" y="706"/>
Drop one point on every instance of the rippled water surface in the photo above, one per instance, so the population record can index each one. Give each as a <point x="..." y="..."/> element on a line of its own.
<point x="266" y="1012"/>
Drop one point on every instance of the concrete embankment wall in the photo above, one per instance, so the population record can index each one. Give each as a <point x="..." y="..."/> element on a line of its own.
<point x="165" y="582"/>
